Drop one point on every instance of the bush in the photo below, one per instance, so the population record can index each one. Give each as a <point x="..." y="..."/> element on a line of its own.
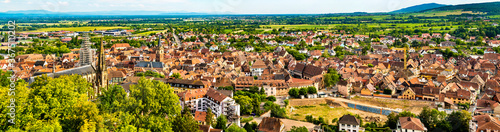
<point x="226" y="88"/>
<point x="303" y="91"/>
<point x="294" y="92"/>
<point x="464" y="105"/>
<point x="271" y="98"/>
<point x="311" y="119"/>
<point x="277" y="111"/>
<point x="250" y="127"/>
<point x="312" y="90"/>
<point x="245" y="120"/>
<point x="268" y="105"/>
<point x="299" y="129"/>
<point x="387" y="91"/>
<point x="286" y="102"/>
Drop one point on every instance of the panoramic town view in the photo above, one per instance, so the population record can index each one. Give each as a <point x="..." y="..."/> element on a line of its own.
<point x="250" y="66"/>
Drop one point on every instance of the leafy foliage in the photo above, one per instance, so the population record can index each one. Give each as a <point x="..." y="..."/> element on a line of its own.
<point x="331" y="78"/>
<point x="250" y="127"/>
<point x="298" y="129"/>
<point x="64" y="104"/>
<point x="221" y="122"/>
<point x="152" y="74"/>
<point x="235" y="128"/>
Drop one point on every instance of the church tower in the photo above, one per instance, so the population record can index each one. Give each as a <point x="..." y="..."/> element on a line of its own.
<point x="159" y="50"/>
<point x="101" y="71"/>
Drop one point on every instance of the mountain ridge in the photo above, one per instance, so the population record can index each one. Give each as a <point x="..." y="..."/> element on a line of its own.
<point x="418" y="8"/>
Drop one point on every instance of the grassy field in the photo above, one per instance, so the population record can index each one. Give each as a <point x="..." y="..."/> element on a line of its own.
<point x="325" y="111"/>
<point x="77" y="29"/>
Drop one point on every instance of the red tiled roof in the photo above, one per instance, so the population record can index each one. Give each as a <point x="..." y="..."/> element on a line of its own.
<point x="411" y="123"/>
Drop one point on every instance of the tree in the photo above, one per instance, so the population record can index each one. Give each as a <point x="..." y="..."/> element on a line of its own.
<point x="312" y="90"/>
<point x="153" y="106"/>
<point x="459" y="121"/>
<point x="392" y="119"/>
<point x="271" y="98"/>
<point x="331" y="78"/>
<point x="185" y="122"/>
<point x="276" y="111"/>
<point x="112" y="99"/>
<point x="431" y="118"/>
<point x="221" y="122"/>
<point x="303" y="91"/>
<point x="245" y="103"/>
<point x="335" y="120"/>
<point x="154" y="97"/>
<point x="294" y="92"/>
<point x="209" y="119"/>
<point x="52" y="104"/>
<point x="235" y="128"/>
<point x="262" y="91"/>
<point x="387" y="91"/>
<point x="298" y="129"/>
<point x="254" y="89"/>
<point x="226" y="88"/>
<point x="250" y="127"/>
<point x="176" y="75"/>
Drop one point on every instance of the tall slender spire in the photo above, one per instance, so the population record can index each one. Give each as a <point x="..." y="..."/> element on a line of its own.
<point x="102" y="58"/>
<point x="101" y="70"/>
<point x="159" y="50"/>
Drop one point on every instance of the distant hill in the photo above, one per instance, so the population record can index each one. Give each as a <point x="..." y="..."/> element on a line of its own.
<point x="45" y="12"/>
<point x="418" y="8"/>
<point x="492" y="8"/>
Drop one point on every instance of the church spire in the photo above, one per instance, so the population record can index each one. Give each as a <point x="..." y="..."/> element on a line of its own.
<point x="159" y="50"/>
<point x="102" y="58"/>
<point x="101" y="70"/>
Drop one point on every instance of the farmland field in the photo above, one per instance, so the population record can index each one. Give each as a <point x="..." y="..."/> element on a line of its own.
<point x="445" y="13"/>
<point x="77" y="29"/>
<point x="302" y="26"/>
<point x="148" y="32"/>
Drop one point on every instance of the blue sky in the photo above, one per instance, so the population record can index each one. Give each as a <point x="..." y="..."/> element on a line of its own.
<point x="214" y="6"/>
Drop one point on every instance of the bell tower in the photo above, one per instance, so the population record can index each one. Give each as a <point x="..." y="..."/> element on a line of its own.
<point x="159" y="50"/>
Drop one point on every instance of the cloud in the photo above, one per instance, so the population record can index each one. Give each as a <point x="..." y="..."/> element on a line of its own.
<point x="94" y="5"/>
<point x="6" y="1"/>
<point x="62" y="3"/>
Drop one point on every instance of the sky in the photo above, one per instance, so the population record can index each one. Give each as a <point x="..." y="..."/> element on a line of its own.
<point x="223" y="6"/>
